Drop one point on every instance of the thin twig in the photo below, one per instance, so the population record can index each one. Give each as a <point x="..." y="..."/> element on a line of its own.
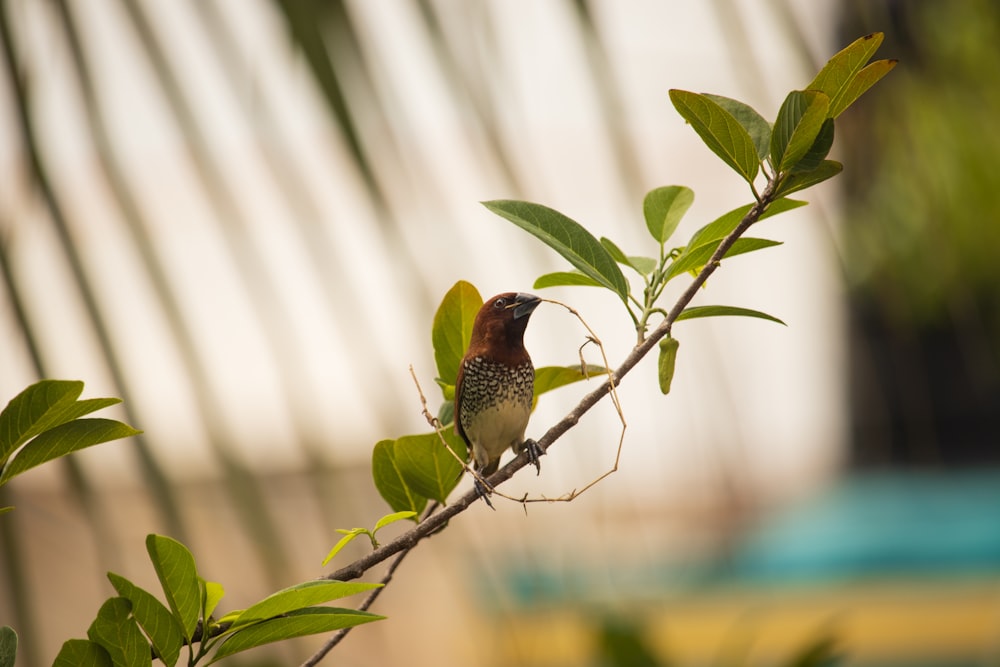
<point x="613" y="390"/>
<point x="438" y="427"/>
<point x="431" y="419"/>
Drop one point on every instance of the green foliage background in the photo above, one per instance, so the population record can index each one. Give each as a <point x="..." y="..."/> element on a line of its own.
<point x="922" y="226"/>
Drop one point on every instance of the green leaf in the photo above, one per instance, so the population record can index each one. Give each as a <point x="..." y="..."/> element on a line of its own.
<point x="298" y="623"/>
<point x="641" y="265"/>
<point x="393" y="518"/>
<point x="666" y="362"/>
<point x="782" y="205"/>
<point x="88" y="405"/>
<point x="722" y="226"/>
<point x="865" y="79"/>
<point x="716" y="230"/>
<point x="452" y="328"/>
<point x="719" y="311"/>
<point x="703" y="242"/>
<point x="799" y="122"/>
<point x="548" y="378"/>
<point x="447" y="388"/>
<point x="82" y="653"/>
<point x="756" y="126"/>
<point x="300" y="596"/>
<point x="446" y="413"/>
<point x="838" y="77"/>
<point x="153" y="616"/>
<point x="568" y="238"/>
<point x="349" y="535"/>
<point x="818" y="151"/>
<point x="64" y="439"/>
<point x="212" y="593"/>
<point x="616" y="253"/>
<point x="564" y="279"/>
<point x="35" y="409"/>
<point x="119" y="634"/>
<point x="721" y="132"/>
<point x="663" y="209"/>
<point x="426" y="466"/>
<point x="800" y="181"/>
<point x="39" y="407"/>
<point x="8" y="646"/>
<point x="4" y="510"/>
<point x="389" y="481"/>
<point x="228" y="618"/>
<point x="699" y="256"/>
<point x="175" y="568"/>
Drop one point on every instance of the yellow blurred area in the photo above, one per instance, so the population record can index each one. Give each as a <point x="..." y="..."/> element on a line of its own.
<point x="908" y="622"/>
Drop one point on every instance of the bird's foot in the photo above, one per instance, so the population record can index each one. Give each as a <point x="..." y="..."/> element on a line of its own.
<point x="483" y="490"/>
<point x="535" y="451"/>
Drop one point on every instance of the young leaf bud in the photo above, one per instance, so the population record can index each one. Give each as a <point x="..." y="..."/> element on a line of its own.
<point x="668" y="356"/>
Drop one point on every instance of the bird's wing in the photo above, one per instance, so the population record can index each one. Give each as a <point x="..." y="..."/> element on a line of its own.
<point x="458" y="405"/>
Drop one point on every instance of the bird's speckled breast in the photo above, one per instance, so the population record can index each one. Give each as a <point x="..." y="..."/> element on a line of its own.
<point x="488" y="383"/>
<point x="496" y="403"/>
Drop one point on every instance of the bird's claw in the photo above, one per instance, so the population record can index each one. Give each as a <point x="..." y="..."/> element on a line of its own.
<point x="483" y="490"/>
<point x="534" y="451"/>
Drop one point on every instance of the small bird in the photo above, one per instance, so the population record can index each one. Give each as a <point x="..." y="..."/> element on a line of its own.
<point x="496" y="385"/>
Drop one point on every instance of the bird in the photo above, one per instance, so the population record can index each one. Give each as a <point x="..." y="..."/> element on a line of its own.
<point x="495" y="386"/>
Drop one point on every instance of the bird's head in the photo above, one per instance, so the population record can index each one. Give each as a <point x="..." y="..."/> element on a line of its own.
<point x="503" y="319"/>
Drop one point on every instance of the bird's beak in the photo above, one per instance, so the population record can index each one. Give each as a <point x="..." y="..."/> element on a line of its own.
<point x="524" y="304"/>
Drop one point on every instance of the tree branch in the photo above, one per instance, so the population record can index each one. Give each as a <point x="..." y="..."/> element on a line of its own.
<point x="338" y="636"/>
<point x="435" y="520"/>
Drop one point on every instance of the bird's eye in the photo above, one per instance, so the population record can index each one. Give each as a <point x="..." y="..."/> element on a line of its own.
<point x="500" y="303"/>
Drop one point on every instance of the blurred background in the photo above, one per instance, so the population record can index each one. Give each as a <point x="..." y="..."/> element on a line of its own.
<point x="240" y="217"/>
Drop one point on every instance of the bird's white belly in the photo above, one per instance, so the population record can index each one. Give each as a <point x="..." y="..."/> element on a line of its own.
<point x="497" y="427"/>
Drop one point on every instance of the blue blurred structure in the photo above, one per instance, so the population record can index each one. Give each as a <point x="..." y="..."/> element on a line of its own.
<point x="882" y="525"/>
<point x="884" y="569"/>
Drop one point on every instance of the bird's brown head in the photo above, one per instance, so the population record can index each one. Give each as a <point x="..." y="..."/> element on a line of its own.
<point x="501" y="322"/>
